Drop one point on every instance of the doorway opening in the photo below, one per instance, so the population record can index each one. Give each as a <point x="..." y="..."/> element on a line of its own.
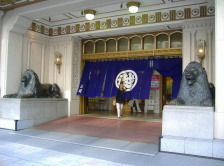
<point x="148" y="80"/>
<point x="167" y="83"/>
<point x="145" y="109"/>
<point x="96" y="107"/>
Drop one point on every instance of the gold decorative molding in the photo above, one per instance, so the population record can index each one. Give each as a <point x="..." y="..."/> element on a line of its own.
<point x="187" y="13"/>
<point x="132" y="20"/>
<point x="173" y="14"/>
<point x="145" y="18"/>
<point x="108" y="23"/>
<point x="158" y="16"/>
<point x="133" y="3"/>
<point x="120" y="22"/>
<point x="166" y="52"/>
<point x="97" y="25"/>
<point x="203" y="11"/>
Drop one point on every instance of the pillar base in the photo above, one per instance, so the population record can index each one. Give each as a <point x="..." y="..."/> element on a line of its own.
<point x="190" y="130"/>
<point x="198" y="147"/>
<point x="17" y="114"/>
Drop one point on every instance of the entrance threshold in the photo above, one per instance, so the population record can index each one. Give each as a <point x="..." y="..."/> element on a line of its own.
<point x="126" y="115"/>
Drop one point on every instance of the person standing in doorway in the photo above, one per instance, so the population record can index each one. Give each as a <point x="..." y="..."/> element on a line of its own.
<point x="134" y="104"/>
<point x="120" y="100"/>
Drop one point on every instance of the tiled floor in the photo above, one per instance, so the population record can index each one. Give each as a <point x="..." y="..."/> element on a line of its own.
<point x="119" y="129"/>
<point x="127" y="115"/>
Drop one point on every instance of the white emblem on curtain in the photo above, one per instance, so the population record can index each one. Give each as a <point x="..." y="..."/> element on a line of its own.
<point x="129" y="78"/>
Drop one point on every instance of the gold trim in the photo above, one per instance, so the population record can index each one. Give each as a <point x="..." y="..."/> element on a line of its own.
<point x="89" y="11"/>
<point x="187" y="13"/>
<point x="132" y="20"/>
<point x="203" y="11"/>
<point x="68" y="29"/>
<point x="166" y="52"/>
<point x="125" y="14"/>
<point x="59" y="30"/>
<point x="125" y="26"/>
<point x="50" y="31"/>
<point x="145" y="18"/>
<point x="42" y="29"/>
<point x="120" y="22"/>
<point x="77" y="28"/>
<point x="97" y="25"/>
<point x="87" y="26"/>
<point x="108" y="23"/>
<point x="172" y="14"/>
<point x="133" y="3"/>
<point x="158" y="16"/>
<point x="33" y="26"/>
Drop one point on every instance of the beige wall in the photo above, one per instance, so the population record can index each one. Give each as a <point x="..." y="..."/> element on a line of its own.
<point x="193" y="31"/>
<point x="38" y="54"/>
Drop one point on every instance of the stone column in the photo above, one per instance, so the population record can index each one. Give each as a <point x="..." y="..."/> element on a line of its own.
<point x="219" y="74"/>
<point x="1" y="14"/>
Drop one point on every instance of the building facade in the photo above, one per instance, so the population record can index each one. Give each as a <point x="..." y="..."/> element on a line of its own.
<point x="27" y="42"/>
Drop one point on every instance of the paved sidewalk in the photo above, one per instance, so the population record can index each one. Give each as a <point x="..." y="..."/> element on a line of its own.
<point x="32" y="147"/>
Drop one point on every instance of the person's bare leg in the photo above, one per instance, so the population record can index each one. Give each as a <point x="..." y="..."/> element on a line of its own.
<point x="121" y="109"/>
<point x="118" y="106"/>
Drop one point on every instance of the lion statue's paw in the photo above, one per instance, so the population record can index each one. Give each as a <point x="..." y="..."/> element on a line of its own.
<point x="177" y="101"/>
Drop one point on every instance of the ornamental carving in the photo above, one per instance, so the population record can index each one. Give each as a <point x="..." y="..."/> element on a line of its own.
<point x="119" y="21"/>
<point x="134" y="54"/>
<point x="76" y="70"/>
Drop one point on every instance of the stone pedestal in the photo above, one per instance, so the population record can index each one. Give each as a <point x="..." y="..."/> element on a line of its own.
<point x="188" y="121"/>
<point x="17" y="114"/>
<point x="190" y="130"/>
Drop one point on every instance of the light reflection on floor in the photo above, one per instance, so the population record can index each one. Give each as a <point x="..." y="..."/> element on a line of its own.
<point x="127" y="115"/>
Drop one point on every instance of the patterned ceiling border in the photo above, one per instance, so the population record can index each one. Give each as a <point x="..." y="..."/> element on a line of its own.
<point x="132" y="20"/>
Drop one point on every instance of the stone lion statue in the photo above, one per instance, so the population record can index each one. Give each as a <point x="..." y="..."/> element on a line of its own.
<point x="31" y="87"/>
<point x="194" y="88"/>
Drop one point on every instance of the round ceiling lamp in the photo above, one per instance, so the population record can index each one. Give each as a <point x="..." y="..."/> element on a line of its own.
<point x="133" y="6"/>
<point x="89" y="13"/>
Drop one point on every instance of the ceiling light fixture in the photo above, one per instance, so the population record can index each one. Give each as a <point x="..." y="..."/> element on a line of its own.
<point x="133" y="6"/>
<point x="89" y="13"/>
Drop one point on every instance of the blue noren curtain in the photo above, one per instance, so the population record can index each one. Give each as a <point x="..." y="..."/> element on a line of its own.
<point x="97" y="75"/>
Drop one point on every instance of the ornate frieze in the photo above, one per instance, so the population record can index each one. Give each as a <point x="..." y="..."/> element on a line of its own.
<point x="149" y="17"/>
<point x="167" y="52"/>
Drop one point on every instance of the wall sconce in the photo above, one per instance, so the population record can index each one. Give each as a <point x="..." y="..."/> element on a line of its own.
<point x="133" y="6"/>
<point x="89" y="13"/>
<point x="201" y="50"/>
<point x="58" y="61"/>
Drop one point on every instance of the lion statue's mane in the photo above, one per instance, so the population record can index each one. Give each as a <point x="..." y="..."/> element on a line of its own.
<point x="194" y="88"/>
<point x="31" y="87"/>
